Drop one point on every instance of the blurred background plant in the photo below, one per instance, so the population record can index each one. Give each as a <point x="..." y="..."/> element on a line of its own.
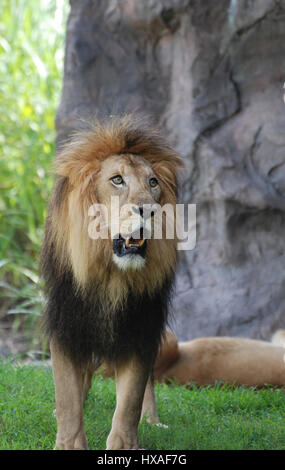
<point x="31" y="66"/>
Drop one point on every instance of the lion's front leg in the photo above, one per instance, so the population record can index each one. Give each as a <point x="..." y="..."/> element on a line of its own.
<point x="70" y="393"/>
<point x="131" y="379"/>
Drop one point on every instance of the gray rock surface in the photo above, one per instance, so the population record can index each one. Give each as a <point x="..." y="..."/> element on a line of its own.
<point x="211" y="75"/>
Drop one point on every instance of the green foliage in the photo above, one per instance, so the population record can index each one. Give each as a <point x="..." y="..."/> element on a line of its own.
<point x="31" y="66"/>
<point x="219" y="417"/>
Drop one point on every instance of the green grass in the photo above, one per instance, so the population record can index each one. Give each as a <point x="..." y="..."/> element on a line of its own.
<point x="205" y="418"/>
<point x="31" y="68"/>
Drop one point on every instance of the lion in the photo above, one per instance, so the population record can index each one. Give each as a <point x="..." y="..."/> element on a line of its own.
<point x="231" y="360"/>
<point x="108" y="297"/>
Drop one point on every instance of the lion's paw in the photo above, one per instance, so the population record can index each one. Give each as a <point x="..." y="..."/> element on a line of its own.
<point x="122" y="441"/>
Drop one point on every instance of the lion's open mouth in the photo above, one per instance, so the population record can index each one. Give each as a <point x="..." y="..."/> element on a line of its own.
<point x="125" y="246"/>
<point x="131" y="242"/>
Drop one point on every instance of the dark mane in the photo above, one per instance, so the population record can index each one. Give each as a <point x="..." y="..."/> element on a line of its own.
<point x="84" y="330"/>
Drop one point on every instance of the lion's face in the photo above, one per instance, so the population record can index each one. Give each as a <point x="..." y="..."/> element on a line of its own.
<point x="131" y="182"/>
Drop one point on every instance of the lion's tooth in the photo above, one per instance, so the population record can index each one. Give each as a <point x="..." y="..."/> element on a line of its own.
<point x="134" y="242"/>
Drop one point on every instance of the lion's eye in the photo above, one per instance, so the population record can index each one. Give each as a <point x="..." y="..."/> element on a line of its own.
<point x="153" y="182"/>
<point x="117" y="180"/>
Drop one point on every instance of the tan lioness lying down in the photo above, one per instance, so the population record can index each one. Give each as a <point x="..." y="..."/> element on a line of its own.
<point x="205" y="361"/>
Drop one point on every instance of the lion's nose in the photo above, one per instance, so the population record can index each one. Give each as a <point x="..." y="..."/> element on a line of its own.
<point x="145" y="211"/>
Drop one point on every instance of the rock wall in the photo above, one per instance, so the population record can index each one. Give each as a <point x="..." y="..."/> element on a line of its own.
<point x="211" y="75"/>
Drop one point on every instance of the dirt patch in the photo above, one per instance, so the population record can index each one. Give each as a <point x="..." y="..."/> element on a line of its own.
<point x="12" y="342"/>
<point x="19" y="343"/>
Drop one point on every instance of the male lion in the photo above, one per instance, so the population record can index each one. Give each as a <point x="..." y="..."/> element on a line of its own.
<point x="108" y="297"/>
